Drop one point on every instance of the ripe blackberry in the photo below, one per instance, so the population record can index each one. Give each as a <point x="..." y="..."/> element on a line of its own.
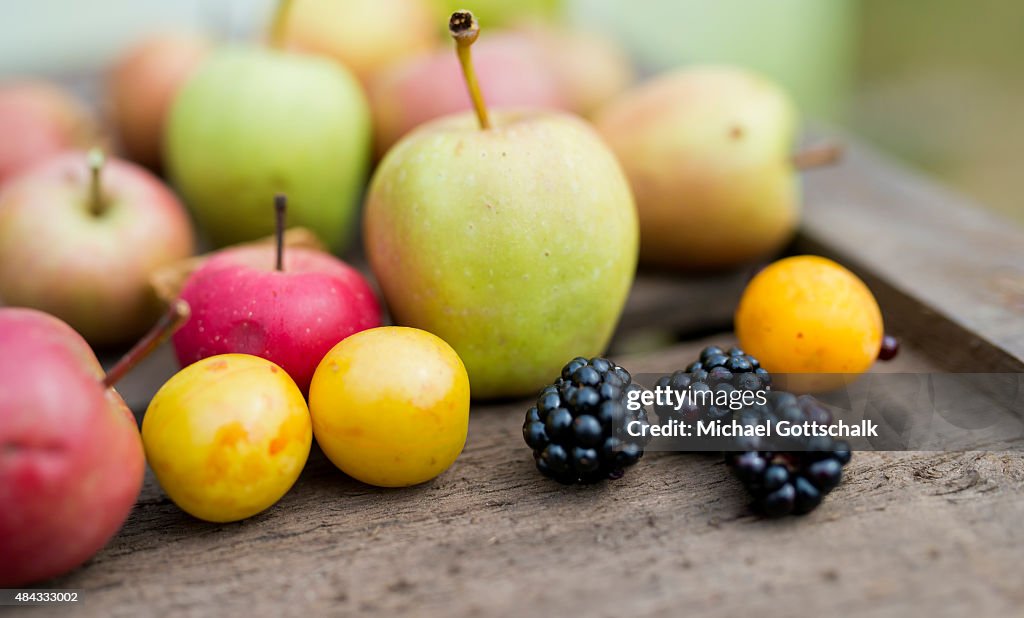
<point x="578" y="426"/>
<point x="784" y="476"/>
<point x="719" y="371"/>
<point x="790" y="481"/>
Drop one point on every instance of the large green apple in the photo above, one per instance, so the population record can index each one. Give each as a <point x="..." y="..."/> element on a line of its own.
<point x="252" y="122"/>
<point x="516" y="244"/>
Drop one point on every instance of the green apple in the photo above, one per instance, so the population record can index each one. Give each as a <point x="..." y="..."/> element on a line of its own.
<point x="252" y="122"/>
<point x="709" y="153"/>
<point x="513" y="238"/>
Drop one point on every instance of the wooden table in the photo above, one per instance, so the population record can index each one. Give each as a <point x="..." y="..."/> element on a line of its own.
<point x="906" y="534"/>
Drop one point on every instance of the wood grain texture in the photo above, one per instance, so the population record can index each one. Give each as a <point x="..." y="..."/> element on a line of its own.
<point x="952" y="273"/>
<point x="906" y="534"/>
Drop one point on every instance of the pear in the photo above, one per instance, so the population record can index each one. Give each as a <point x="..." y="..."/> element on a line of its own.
<point x="513" y="238"/>
<point x="708" y="153"/>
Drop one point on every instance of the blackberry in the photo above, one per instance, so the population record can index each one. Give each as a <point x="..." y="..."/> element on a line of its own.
<point x="578" y="425"/>
<point x="794" y="480"/>
<point x="720" y="371"/>
<point x="790" y="481"/>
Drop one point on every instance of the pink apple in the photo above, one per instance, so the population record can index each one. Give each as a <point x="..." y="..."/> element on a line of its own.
<point x="37" y="121"/>
<point x="71" y="459"/>
<point x="292" y="317"/>
<point x="142" y="87"/>
<point x="81" y="246"/>
<point x="512" y="69"/>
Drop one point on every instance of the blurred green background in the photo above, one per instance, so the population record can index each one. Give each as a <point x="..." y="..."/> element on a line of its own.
<point x="939" y="83"/>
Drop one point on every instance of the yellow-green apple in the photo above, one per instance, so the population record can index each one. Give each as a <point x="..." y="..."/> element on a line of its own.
<point x="252" y="122"/>
<point x="37" y="121"/>
<point x="287" y="306"/>
<point x="363" y="35"/>
<point x="514" y="72"/>
<point x="708" y="153"/>
<point x="142" y="86"/>
<point x="71" y="459"/>
<point x="513" y="238"/>
<point x="79" y="238"/>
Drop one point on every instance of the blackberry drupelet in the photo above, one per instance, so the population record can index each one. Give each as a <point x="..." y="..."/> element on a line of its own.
<point x="791" y="481"/>
<point x="577" y="429"/>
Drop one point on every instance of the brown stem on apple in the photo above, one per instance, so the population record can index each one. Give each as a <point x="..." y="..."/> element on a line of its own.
<point x="280" y="207"/>
<point x="819" y="155"/>
<point x="175" y="317"/>
<point x="97" y="205"/>
<point x="464" y="29"/>
<point x="279" y="24"/>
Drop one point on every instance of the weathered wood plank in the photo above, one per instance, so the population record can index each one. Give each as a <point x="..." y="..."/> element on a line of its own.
<point x="906" y="534"/>
<point x="951" y="274"/>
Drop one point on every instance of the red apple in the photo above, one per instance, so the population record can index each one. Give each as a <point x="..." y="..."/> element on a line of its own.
<point x="71" y="459"/>
<point x="79" y="240"/>
<point x="38" y="120"/>
<point x="241" y="303"/>
<point x="512" y="69"/>
<point x="142" y="87"/>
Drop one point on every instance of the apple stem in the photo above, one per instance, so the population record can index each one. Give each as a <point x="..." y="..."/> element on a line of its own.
<point x="817" y="156"/>
<point x="96" y="160"/>
<point x="174" y="318"/>
<point x="279" y="23"/>
<point x="464" y="29"/>
<point x="280" y="208"/>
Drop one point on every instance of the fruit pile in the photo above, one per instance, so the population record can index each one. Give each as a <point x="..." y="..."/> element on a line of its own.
<point x="502" y="224"/>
